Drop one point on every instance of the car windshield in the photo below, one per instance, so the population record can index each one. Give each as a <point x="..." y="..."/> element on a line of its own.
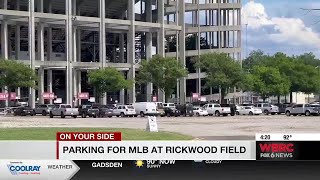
<point x="130" y="107"/>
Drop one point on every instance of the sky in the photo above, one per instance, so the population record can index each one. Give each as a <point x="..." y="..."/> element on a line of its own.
<point x="281" y="25"/>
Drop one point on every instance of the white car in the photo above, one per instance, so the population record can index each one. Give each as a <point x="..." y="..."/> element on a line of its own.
<point x="217" y="110"/>
<point x="124" y="110"/>
<point x="146" y="108"/>
<point x="169" y="105"/>
<point x="198" y="111"/>
<point x="248" y="110"/>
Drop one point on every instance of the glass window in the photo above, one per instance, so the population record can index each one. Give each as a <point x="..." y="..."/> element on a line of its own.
<point x="266" y="105"/>
<point x="299" y="105"/>
<point x="217" y="105"/>
<point x="210" y="105"/>
<point x="130" y="107"/>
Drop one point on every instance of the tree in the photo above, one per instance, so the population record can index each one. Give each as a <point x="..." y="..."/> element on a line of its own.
<point x="163" y="72"/>
<point x="108" y="80"/>
<point x="14" y="74"/>
<point x="222" y="71"/>
<point x="267" y="81"/>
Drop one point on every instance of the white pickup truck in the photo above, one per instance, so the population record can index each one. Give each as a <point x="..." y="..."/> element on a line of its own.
<point x="217" y="110"/>
<point x="64" y="110"/>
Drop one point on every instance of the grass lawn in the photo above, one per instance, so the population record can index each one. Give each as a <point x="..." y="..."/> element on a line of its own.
<point x="50" y="133"/>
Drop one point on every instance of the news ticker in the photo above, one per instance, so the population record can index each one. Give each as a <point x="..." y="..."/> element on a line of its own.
<point x="157" y="169"/>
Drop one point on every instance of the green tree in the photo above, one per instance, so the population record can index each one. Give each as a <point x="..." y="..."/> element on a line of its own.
<point x="266" y="81"/>
<point x="108" y="80"/>
<point x="163" y="72"/>
<point x="14" y="74"/>
<point x="222" y="71"/>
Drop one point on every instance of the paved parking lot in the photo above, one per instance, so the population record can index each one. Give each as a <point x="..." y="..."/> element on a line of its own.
<point x="211" y="128"/>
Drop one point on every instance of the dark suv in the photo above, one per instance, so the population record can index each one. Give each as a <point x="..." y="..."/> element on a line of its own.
<point x="83" y="110"/>
<point x="185" y="109"/>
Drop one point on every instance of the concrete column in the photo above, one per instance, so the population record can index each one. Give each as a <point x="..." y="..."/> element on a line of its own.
<point x="149" y="46"/>
<point x="161" y="40"/>
<point x="79" y="84"/>
<point x="41" y="41"/>
<point x="75" y="86"/>
<point x="102" y="43"/>
<point x="49" y="48"/>
<point x="69" y="52"/>
<point x="32" y="53"/>
<point x="182" y="44"/>
<point x="4" y="45"/>
<point x="49" y="83"/>
<point x="5" y="4"/>
<point x="41" y="85"/>
<point x="131" y="50"/>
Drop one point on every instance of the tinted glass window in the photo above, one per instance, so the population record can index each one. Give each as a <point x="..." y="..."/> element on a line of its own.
<point x="130" y="107"/>
<point x="217" y="105"/>
<point x="247" y="107"/>
<point x="299" y="105"/>
<point x="210" y="105"/>
<point x="307" y="105"/>
<point x="265" y="105"/>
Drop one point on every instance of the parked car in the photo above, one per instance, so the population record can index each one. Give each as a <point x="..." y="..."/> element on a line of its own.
<point x="232" y="107"/>
<point x="83" y="110"/>
<point x="23" y="111"/>
<point x="303" y="109"/>
<point x="43" y="109"/>
<point x="146" y="108"/>
<point x="217" y="110"/>
<point x="169" y="105"/>
<point x="282" y="107"/>
<point x="248" y="110"/>
<point x="160" y="108"/>
<point x="267" y="108"/>
<point x="199" y="111"/>
<point x="125" y="110"/>
<point x="64" y="110"/>
<point x="171" y="112"/>
<point x="106" y="110"/>
<point x="185" y="109"/>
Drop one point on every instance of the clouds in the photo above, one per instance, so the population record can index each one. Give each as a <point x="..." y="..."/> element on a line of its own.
<point x="290" y="32"/>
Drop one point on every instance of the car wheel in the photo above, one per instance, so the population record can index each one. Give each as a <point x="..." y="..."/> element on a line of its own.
<point x="266" y="112"/>
<point x="295" y="114"/>
<point x="198" y="114"/>
<point x="122" y="114"/>
<point x="51" y="115"/>
<point x="135" y="115"/>
<point x="225" y="114"/>
<point x="288" y="113"/>
<point x="237" y="113"/>
<point x="250" y="113"/>
<point x="308" y="113"/>
<point x="74" y="116"/>
<point x="62" y="115"/>
<point x="109" y="116"/>
<point x="217" y="113"/>
<point x="83" y="115"/>
<point x="44" y="113"/>
<point x="141" y="114"/>
<point x="168" y="114"/>
<point x="273" y="113"/>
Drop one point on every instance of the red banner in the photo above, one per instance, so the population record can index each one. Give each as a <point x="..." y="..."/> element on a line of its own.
<point x="154" y="98"/>
<point x="4" y="96"/>
<point x="48" y="95"/>
<point x="195" y="96"/>
<point x="83" y="95"/>
<point x="88" y="136"/>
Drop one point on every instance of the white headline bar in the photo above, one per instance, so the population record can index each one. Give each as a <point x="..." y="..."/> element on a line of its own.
<point x="160" y="150"/>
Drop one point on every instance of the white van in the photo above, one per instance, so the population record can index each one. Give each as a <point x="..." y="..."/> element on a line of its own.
<point x="146" y="108"/>
<point x="169" y="105"/>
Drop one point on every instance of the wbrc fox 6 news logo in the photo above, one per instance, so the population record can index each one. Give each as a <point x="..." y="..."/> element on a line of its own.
<point x="275" y="150"/>
<point x="17" y="168"/>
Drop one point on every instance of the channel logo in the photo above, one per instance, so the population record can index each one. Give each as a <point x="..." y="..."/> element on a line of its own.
<point x="275" y="150"/>
<point x="19" y="169"/>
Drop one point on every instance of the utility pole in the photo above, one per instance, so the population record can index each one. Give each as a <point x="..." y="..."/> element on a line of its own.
<point x="318" y="67"/>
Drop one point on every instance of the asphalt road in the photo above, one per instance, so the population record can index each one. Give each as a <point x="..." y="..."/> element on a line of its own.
<point x="209" y="128"/>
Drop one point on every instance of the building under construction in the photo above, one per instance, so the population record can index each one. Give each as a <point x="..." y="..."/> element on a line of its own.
<point x="64" y="39"/>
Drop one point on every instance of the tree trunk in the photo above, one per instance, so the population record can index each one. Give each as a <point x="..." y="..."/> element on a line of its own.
<point x="291" y="94"/>
<point x="278" y="99"/>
